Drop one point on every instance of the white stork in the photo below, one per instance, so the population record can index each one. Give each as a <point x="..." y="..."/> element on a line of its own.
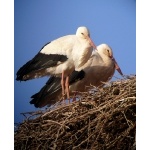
<point x="99" y="68"/>
<point x="60" y="57"/>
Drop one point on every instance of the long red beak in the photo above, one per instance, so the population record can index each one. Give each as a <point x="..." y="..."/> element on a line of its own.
<point x="117" y="67"/>
<point x="92" y="43"/>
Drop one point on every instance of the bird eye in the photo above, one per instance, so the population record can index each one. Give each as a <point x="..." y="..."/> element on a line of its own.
<point x="108" y="50"/>
<point x="82" y="33"/>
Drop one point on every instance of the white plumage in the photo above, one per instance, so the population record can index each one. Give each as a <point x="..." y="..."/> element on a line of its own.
<point x="60" y="57"/>
<point x="98" y="69"/>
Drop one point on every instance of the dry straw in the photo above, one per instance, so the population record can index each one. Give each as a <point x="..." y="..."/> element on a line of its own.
<point x="102" y="119"/>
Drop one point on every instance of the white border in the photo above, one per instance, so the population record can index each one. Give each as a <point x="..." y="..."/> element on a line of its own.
<point x="7" y="74"/>
<point x="142" y="72"/>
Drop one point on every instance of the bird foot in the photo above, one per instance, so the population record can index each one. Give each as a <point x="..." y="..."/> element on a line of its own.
<point x="74" y="99"/>
<point x="63" y="96"/>
<point x="74" y="96"/>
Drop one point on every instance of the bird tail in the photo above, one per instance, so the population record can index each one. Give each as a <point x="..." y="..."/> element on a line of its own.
<point x="22" y="72"/>
<point x="48" y="94"/>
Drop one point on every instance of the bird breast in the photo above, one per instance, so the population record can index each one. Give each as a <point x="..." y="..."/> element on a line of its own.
<point x="81" y="55"/>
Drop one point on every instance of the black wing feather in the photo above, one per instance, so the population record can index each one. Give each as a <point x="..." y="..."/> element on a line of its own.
<point x="52" y="86"/>
<point x="39" y="62"/>
<point x="76" y="75"/>
<point x="52" y="89"/>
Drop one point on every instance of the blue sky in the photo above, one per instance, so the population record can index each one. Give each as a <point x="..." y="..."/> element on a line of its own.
<point x="38" y="22"/>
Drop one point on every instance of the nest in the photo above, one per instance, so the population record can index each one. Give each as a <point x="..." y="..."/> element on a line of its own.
<point x="102" y="119"/>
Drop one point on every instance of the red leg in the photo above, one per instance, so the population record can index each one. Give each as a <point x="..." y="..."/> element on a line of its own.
<point x="63" y="84"/>
<point x="67" y="87"/>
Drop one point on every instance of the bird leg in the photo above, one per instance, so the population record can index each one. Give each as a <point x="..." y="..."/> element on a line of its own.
<point x="63" y="84"/>
<point x="67" y="88"/>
